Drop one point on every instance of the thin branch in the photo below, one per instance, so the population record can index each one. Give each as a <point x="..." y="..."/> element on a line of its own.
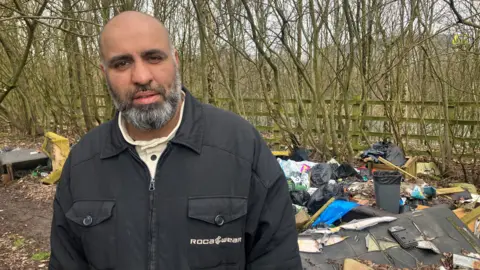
<point x="48" y="17"/>
<point x="23" y="61"/>
<point x="460" y="19"/>
<point x="49" y="25"/>
<point x="7" y="48"/>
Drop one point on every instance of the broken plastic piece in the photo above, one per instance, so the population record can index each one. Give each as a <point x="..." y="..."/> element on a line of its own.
<point x="464" y="261"/>
<point x="373" y="245"/>
<point x="423" y="244"/>
<point x="366" y="223"/>
<point x="308" y="245"/>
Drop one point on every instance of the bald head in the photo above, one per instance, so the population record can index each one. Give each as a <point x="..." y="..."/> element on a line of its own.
<point x="131" y="25"/>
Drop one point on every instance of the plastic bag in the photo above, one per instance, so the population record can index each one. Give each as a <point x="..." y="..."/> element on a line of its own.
<point x="346" y="170"/>
<point x="296" y="172"/>
<point x="322" y="195"/>
<point x="334" y="212"/>
<point x="320" y="174"/>
<point x="387" y="150"/>
<point x="300" y="197"/>
<point x="299" y="154"/>
<point x="417" y="193"/>
<point x="289" y="167"/>
<point x="298" y="183"/>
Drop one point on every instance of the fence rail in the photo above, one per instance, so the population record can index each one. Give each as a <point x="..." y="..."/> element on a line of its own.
<point x="466" y="131"/>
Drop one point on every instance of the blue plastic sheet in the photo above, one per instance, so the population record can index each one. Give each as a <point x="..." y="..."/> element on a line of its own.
<point x="336" y="210"/>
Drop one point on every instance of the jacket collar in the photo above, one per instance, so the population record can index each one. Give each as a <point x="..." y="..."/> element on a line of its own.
<point x="189" y="134"/>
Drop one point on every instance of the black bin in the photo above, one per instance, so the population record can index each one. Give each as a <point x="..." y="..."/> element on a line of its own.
<point x="387" y="190"/>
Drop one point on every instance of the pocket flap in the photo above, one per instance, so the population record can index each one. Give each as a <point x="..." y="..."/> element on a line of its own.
<point x="209" y="209"/>
<point x="90" y="213"/>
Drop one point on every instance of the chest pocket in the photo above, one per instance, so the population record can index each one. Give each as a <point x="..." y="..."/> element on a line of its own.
<point x="96" y="223"/>
<point x="216" y="230"/>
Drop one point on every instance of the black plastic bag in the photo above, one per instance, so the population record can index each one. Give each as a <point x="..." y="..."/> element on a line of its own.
<point x="322" y="195"/>
<point x="299" y="154"/>
<point x="395" y="155"/>
<point x="388" y="151"/>
<point x="387" y="177"/>
<point x="320" y="174"/>
<point x="346" y="170"/>
<point x="299" y="197"/>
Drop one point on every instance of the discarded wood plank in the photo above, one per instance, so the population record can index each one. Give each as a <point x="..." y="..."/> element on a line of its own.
<point x="471" y="216"/>
<point x="317" y="214"/>
<point x="351" y="264"/>
<point x="7" y="177"/>
<point x="393" y="166"/>
<point x="443" y="191"/>
<point x="10" y="172"/>
<point x="281" y="153"/>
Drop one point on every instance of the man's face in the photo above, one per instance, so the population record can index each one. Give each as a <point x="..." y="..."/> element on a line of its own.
<point x="142" y="74"/>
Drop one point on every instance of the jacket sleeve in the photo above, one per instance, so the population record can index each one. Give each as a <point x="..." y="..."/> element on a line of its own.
<point x="66" y="251"/>
<point x="272" y="239"/>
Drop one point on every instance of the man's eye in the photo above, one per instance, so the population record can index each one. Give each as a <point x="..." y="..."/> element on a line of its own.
<point x="120" y="64"/>
<point x="156" y="59"/>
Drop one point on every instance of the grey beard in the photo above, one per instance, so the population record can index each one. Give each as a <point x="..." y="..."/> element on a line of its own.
<point x="150" y="116"/>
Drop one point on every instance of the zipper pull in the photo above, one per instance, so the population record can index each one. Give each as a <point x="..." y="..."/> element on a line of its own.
<point x="152" y="184"/>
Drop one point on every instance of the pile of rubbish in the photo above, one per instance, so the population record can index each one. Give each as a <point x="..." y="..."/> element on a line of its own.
<point x="329" y="199"/>
<point x="45" y="163"/>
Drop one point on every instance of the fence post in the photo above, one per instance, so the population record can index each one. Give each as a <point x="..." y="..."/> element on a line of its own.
<point x="451" y="112"/>
<point x="356" y="111"/>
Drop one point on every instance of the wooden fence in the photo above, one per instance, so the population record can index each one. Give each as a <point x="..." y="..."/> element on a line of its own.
<point x="421" y="123"/>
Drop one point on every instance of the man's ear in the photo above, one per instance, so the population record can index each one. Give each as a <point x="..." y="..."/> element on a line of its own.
<point x="177" y="58"/>
<point x="102" y="67"/>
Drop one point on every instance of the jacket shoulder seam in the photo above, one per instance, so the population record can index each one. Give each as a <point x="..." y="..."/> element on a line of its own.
<point x="265" y="183"/>
<point x="85" y="160"/>
<point x="229" y="152"/>
<point x="257" y="178"/>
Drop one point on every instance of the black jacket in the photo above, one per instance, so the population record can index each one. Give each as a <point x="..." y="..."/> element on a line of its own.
<point x="219" y="200"/>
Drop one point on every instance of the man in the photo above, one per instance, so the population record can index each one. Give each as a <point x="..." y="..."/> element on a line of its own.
<point x="169" y="183"/>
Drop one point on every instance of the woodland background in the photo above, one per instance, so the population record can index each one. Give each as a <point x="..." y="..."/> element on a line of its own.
<point x="331" y="75"/>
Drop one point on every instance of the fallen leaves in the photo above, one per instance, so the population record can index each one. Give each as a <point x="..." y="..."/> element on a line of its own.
<point x="16" y="250"/>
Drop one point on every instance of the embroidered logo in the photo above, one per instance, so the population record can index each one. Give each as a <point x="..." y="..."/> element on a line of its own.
<point x="216" y="241"/>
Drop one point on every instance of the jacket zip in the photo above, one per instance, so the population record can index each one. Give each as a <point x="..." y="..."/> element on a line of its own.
<point x="152" y="242"/>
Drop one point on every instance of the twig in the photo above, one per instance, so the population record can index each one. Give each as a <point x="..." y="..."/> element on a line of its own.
<point x="48" y="17"/>
<point x="460" y="19"/>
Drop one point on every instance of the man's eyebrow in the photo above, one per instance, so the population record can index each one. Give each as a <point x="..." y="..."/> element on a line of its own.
<point x="119" y="57"/>
<point x="154" y="52"/>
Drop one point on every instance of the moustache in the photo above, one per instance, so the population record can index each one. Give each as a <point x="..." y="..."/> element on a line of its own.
<point x="158" y="90"/>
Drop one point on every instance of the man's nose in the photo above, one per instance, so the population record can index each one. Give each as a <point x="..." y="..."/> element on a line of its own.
<point x="141" y="74"/>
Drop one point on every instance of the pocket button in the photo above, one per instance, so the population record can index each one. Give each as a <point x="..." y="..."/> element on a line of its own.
<point x="219" y="220"/>
<point x="87" y="220"/>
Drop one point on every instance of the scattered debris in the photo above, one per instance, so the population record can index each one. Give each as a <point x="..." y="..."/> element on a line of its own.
<point x="308" y="245"/>
<point x="423" y="244"/>
<point x="350" y="264"/>
<point x="333" y="196"/>
<point x="376" y="245"/>
<point x="365" y="223"/>
<point x="464" y="261"/>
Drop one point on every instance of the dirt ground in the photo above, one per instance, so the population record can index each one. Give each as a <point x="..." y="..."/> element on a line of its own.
<point x="25" y="216"/>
